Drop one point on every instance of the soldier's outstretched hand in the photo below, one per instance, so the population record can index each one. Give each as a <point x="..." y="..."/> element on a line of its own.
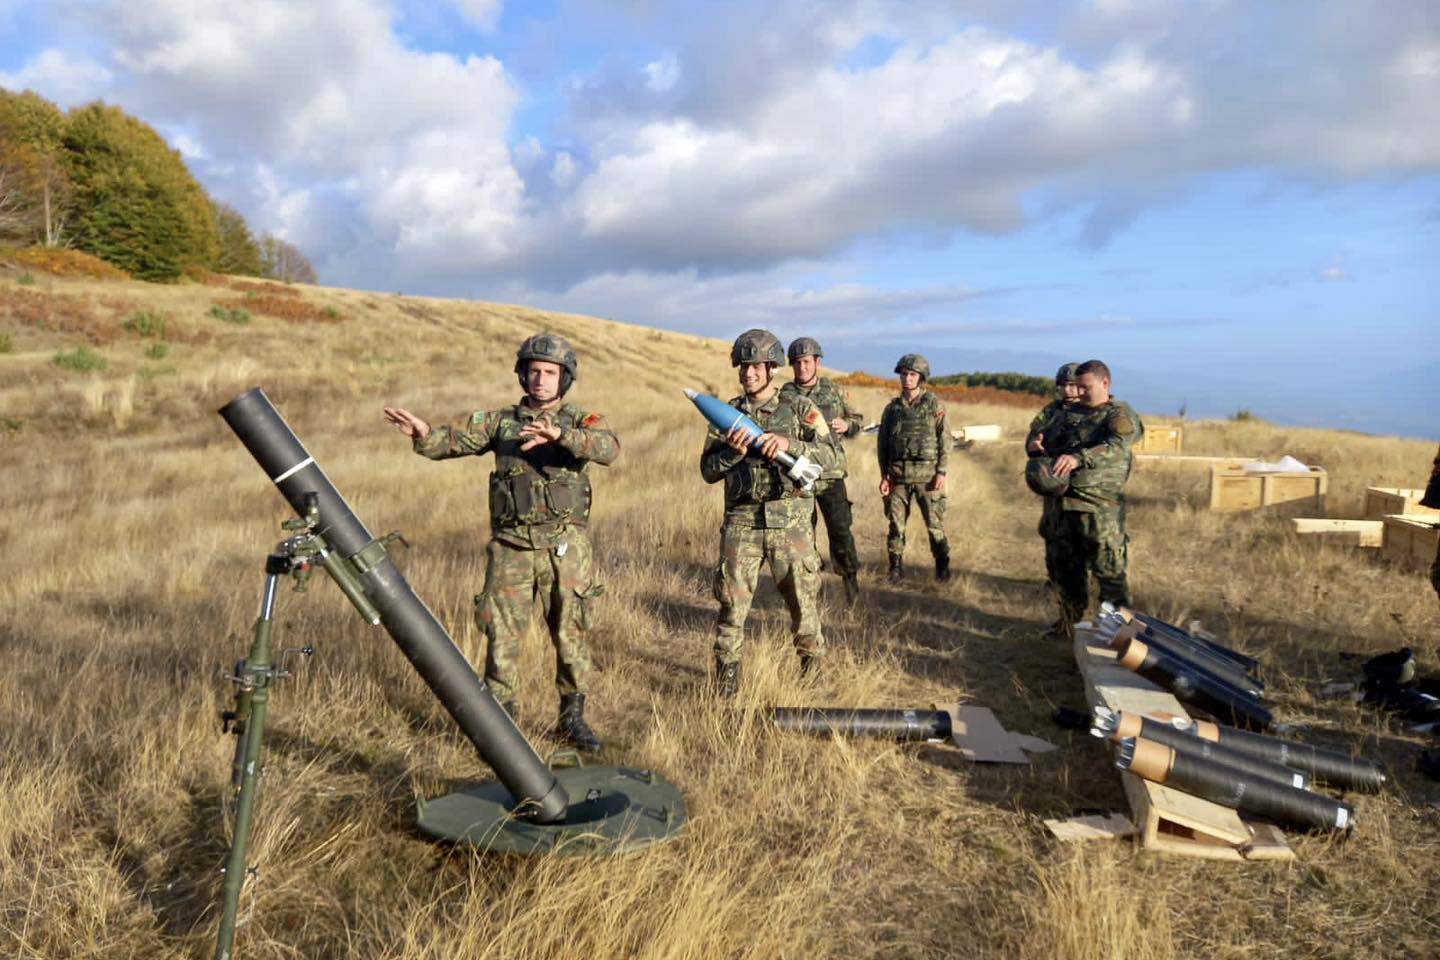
<point x="407" y="423"/>
<point x="538" y="431"/>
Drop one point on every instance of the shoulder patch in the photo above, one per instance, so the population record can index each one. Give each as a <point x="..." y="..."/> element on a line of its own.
<point x="1123" y="424"/>
<point x="590" y="420"/>
<point x="939" y="413"/>
<point x="814" y="418"/>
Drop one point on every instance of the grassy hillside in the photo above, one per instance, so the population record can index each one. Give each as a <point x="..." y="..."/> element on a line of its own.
<point x="137" y="528"/>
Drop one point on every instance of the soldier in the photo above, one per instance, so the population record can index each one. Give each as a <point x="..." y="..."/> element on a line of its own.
<point x="1088" y="529"/>
<point x="1432" y="499"/>
<point x="1052" y="421"/>
<point x="831" y="497"/>
<point x="539" y="507"/>
<point x="914" y="450"/>
<point x="767" y="517"/>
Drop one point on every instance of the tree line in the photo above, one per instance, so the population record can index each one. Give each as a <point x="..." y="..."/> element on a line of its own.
<point x="1014" y="382"/>
<point x="99" y="180"/>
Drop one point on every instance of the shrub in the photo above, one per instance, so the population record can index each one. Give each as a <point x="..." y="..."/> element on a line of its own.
<point x="157" y="351"/>
<point x="150" y="373"/>
<point x="64" y="262"/>
<point x="234" y="315"/>
<point x="284" y="307"/>
<point x="82" y="358"/>
<point x="7" y="342"/>
<point x="26" y="279"/>
<point x="147" y="323"/>
<point x="1244" y="415"/>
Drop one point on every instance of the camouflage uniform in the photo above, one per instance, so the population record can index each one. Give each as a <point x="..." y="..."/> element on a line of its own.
<point x="768" y="518"/>
<point x="914" y="447"/>
<point x="831" y="497"/>
<point x="539" y="507"/>
<point x="1432" y="499"/>
<point x="1087" y="532"/>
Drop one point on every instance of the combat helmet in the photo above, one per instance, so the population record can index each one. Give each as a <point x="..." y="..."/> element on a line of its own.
<point x="757" y="346"/>
<point x="803" y="347"/>
<point x="1068" y="373"/>
<point x="1040" y="477"/>
<point x="551" y="347"/>
<point x="913" y="361"/>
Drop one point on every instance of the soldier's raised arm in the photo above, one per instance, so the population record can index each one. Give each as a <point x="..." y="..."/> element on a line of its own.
<point x="591" y="439"/>
<point x="474" y="434"/>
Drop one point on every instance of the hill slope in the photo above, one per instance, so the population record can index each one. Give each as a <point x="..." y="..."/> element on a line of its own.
<point x="139" y="526"/>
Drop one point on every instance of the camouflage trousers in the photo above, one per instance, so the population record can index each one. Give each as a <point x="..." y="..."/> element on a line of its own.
<point x="794" y="565"/>
<point x="832" y="501"/>
<point x="932" y="511"/>
<point x="1078" y="544"/>
<point x="514" y="577"/>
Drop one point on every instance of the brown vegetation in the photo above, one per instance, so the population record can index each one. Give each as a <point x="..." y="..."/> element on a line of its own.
<point x="137" y="531"/>
<point x="64" y="262"/>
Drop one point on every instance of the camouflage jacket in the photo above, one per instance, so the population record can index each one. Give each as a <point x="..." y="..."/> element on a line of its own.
<point x="914" y="441"/>
<point x="1432" y="489"/>
<point x="536" y="495"/>
<point x="833" y="403"/>
<point x="757" y="491"/>
<point x="1101" y="438"/>
<point x="1051" y="422"/>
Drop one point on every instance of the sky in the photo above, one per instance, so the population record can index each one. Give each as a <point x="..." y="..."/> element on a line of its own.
<point x="1236" y="205"/>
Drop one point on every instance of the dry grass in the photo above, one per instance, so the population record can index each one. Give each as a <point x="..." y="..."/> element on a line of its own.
<point x="134" y="548"/>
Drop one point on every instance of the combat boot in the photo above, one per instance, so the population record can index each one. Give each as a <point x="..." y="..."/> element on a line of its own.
<point x="572" y="726"/>
<point x="852" y="589"/>
<point x="727" y="679"/>
<point x="942" y="566"/>
<point x="897" y="568"/>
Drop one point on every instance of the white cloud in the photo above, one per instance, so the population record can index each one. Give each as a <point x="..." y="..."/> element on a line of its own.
<point x="66" y="78"/>
<point x="662" y="75"/>
<point x="484" y="14"/>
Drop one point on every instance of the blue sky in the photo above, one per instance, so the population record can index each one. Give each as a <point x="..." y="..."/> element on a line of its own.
<point x="1236" y="205"/>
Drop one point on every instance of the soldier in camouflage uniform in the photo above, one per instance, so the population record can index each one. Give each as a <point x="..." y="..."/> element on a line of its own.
<point x="1432" y="499"/>
<point x="1052" y="422"/>
<point x="832" y="500"/>
<point x="767" y="516"/>
<point x="914" y="450"/>
<point x="1092" y="451"/>
<point x="539" y="508"/>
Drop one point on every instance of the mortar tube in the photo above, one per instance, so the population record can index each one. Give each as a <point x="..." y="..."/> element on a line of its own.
<point x="902" y="725"/>
<point x="412" y="626"/>
<point x="1333" y="767"/>
<point x="1180" y="633"/>
<point x="1125" y="726"/>
<point x="1200" y="660"/>
<point x="1223" y="784"/>
<point x="1193" y="686"/>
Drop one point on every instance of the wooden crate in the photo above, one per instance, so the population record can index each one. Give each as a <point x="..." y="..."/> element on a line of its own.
<point x="1382" y="502"/>
<point x="1411" y="540"/>
<point x="981" y="432"/>
<point x="1362" y="533"/>
<point x="1161" y="438"/>
<point x="1236" y="490"/>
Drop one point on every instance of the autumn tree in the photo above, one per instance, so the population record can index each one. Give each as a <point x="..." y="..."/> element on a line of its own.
<point x="239" y="251"/>
<point x="282" y="260"/>
<point x="141" y="208"/>
<point x="33" y="163"/>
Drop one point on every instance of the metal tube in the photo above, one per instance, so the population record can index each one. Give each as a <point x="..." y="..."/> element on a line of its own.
<point x="1220" y="650"/>
<point x="903" y="725"/>
<point x="1223" y="784"/>
<point x="1201" y="658"/>
<point x="1193" y="686"/>
<point x="1332" y="766"/>
<point x="1123" y="726"/>
<point x="412" y="626"/>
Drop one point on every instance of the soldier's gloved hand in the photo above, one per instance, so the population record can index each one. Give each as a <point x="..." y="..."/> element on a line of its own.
<point x="538" y="431"/>
<point x="1065" y="465"/>
<point x="739" y="440"/>
<point x="772" y="445"/>
<point x="407" y="423"/>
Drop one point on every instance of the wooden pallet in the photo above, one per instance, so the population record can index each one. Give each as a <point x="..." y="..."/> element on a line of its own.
<point x="1167" y="819"/>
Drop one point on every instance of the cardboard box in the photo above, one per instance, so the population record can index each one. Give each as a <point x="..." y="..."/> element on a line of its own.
<point x="1237" y="490"/>
<point x="1382" y="502"/>
<point x="1411" y="540"/>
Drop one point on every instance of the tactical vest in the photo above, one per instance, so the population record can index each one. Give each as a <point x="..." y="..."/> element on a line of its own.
<point x="911" y="431"/>
<point x="541" y="486"/>
<point x="755" y="479"/>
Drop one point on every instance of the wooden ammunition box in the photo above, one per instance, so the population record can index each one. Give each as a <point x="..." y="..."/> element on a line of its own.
<point x="1382" y="502"/>
<point x="1411" y="540"/>
<point x="1161" y="438"/>
<point x="1237" y="490"/>
<point x="1362" y="533"/>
